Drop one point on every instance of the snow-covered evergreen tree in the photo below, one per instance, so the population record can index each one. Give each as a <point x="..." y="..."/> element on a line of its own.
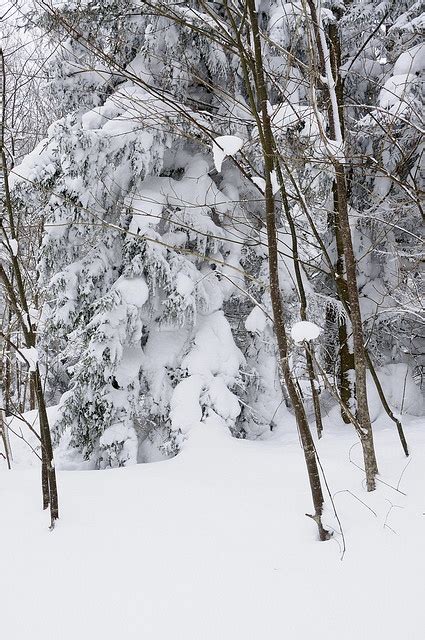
<point x="383" y="85"/>
<point x="137" y="262"/>
<point x="153" y="265"/>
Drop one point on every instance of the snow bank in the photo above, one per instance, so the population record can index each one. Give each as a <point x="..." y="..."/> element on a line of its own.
<point x="214" y="545"/>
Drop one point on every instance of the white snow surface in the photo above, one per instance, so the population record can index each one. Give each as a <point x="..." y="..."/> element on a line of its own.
<point x="305" y="330"/>
<point x="214" y="544"/>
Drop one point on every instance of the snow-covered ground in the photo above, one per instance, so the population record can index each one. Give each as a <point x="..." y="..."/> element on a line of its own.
<point x="214" y="545"/>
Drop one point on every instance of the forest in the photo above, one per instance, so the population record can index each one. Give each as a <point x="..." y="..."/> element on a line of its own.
<point x="212" y="323"/>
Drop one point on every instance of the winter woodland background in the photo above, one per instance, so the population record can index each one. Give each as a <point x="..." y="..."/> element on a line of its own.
<point x="212" y="234"/>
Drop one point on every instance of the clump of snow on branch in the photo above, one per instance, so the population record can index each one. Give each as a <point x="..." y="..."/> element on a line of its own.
<point x="224" y="146"/>
<point x="28" y="356"/>
<point x="256" y="320"/>
<point x="305" y="330"/>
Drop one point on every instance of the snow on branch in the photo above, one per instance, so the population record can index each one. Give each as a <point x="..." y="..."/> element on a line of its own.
<point x="305" y="331"/>
<point x="224" y="146"/>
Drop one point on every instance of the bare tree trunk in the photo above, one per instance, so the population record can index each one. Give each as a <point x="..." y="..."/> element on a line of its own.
<point x="346" y="356"/>
<point x="363" y="416"/>
<point x="275" y="293"/>
<point x="303" y="299"/>
<point x="17" y="300"/>
<point x="347" y="367"/>
<point x="5" y="433"/>
<point x="32" y="391"/>
<point x="341" y="289"/>
<point x="48" y="467"/>
<point x="5" y="363"/>
<point x="334" y="91"/>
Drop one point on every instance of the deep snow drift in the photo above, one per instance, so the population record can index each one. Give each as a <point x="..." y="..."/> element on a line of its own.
<point x="214" y="545"/>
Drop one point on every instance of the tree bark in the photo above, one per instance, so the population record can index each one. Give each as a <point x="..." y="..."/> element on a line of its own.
<point x="335" y="107"/>
<point x="275" y="293"/>
<point x="18" y="302"/>
<point x="309" y="349"/>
